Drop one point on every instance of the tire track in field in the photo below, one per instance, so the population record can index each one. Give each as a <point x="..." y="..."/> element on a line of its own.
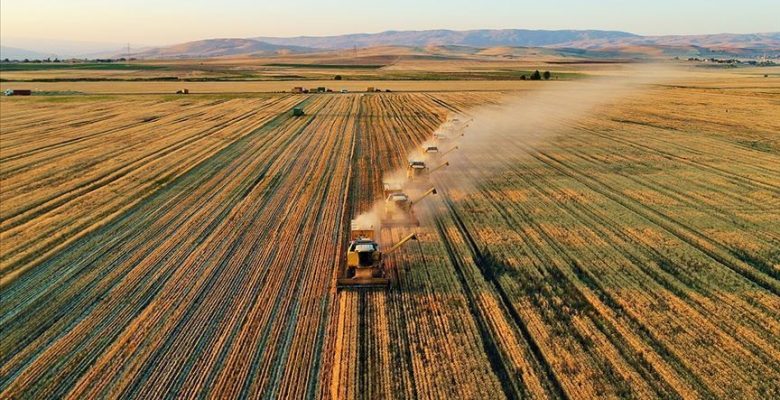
<point x="127" y="127"/>
<point x="530" y="178"/>
<point x="143" y="209"/>
<point x="563" y="278"/>
<point x="745" y="180"/>
<point x="714" y="211"/>
<point x="509" y="383"/>
<point x="66" y="225"/>
<point x="766" y="279"/>
<point x="126" y="123"/>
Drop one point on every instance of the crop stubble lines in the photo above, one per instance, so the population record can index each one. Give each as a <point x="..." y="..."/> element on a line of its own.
<point x="198" y="249"/>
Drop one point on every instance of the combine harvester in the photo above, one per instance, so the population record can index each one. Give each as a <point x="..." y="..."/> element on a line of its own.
<point x="399" y="211"/>
<point x="417" y="171"/>
<point x="434" y="151"/>
<point x="454" y="126"/>
<point x="364" y="267"/>
<point x="392" y="187"/>
<point x="440" y="137"/>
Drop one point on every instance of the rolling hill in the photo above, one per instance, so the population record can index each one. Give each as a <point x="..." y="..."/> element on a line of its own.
<point x="586" y="43"/>
<point x="15" y="53"/>
<point x="472" y="38"/>
<point x="220" y="48"/>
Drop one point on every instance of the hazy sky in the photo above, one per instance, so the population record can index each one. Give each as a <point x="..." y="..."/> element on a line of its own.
<point x="173" y="21"/>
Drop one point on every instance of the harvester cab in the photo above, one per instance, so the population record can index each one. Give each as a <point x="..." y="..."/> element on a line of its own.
<point x="415" y="169"/>
<point x="364" y="260"/>
<point x="364" y="267"/>
<point x="392" y="187"/>
<point x="398" y="210"/>
<point x="398" y="201"/>
<point x="431" y="150"/>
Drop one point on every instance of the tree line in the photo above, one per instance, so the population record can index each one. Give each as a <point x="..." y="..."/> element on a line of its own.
<point x="537" y="76"/>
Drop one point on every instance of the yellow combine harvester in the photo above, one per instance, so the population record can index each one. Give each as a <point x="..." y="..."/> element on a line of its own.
<point x="417" y="171"/>
<point x="440" y="137"/>
<point x="398" y="209"/>
<point x="392" y="187"/>
<point x="364" y="267"/>
<point x="438" y="154"/>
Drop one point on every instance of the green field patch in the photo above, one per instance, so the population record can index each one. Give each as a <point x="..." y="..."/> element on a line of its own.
<point x="326" y="66"/>
<point x="66" y="97"/>
<point x="8" y="67"/>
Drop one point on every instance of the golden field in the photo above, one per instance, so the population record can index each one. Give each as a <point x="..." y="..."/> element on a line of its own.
<point x="160" y="246"/>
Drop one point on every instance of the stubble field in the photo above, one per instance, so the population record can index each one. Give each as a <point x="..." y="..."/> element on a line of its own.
<point x="155" y="246"/>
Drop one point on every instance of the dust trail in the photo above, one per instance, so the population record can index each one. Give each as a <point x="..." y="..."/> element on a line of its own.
<point x="370" y="219"/>
<point x="499" y="135"/>
<point x="491" y="137"/>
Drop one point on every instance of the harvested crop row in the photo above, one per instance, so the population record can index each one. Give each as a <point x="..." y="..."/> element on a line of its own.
<point x="215" y="283"/>
<point x="384" y="341"/>
<point x="149" y="246"/>
<point x="63" y="193"/>
<point x="571" y="267"/>
<point x="579" y="259"/>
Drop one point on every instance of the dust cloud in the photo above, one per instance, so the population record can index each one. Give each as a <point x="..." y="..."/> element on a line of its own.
<point x="498" y="135"/>
<point x="490" y="138"/>
<point x="371" y="219"/>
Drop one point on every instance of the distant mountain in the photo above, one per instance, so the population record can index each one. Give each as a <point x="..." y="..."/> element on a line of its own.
<point x="220" y="48"/>
<point x="15" y="53"/>
<point x="718" y="42"/>
<point x="473" y="38"/>
<point x="721" y="41"/>
<point x="506" y="42"/>
<point x="597" y="43"/>
<point x="63" y="49"/>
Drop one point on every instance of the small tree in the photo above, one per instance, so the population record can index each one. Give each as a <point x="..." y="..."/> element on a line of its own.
<point x="337" y="77"/>
<point x="546" y="75"/>
<point x="523" y="77"/>
<point x="536" y="76"/>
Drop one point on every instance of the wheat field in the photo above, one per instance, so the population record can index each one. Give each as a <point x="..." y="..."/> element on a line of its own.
<point x="158" y="246"/>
